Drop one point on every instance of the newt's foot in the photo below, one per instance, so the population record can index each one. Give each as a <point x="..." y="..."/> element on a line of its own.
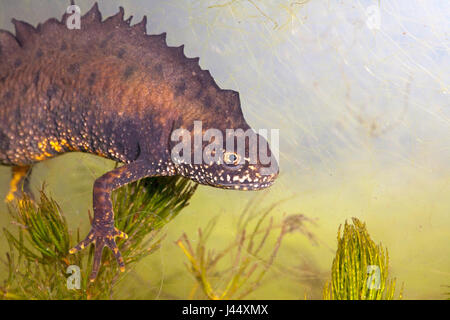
<point x="20" y="184"/>
<point x="19" y="196"/>
<point x="102" y="237"/>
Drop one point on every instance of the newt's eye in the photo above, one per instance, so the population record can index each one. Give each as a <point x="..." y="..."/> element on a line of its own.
<point x="231" y="158"/>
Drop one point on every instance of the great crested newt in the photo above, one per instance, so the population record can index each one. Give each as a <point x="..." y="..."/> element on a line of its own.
<point x="112" y="90"/>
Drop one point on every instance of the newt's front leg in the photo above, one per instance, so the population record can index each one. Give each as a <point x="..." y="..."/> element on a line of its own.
<point x="103" y="231"/>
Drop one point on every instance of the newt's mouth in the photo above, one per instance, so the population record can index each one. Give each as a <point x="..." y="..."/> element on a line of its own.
<point x="256" y="184"/>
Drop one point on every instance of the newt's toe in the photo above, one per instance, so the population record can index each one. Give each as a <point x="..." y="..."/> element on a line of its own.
<point x="83" y="244"/>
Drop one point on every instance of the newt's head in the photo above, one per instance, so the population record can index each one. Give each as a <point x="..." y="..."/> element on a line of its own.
<point x="252" y="167"/>
<point x="237" y="159"/>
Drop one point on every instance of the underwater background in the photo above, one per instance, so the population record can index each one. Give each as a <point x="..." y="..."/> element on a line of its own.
<point x="360" y="91"/>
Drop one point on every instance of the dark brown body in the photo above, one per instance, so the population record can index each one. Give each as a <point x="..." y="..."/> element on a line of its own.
<point x="111" y="90"/>
<point x="97" y="89"/>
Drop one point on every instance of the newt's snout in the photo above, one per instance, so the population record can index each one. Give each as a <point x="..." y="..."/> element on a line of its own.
<point x="250" y="166"/>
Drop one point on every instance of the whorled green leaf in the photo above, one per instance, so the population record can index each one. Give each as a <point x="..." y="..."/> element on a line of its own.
<point x="360" y="267"/>
<point x="38" y="256"/>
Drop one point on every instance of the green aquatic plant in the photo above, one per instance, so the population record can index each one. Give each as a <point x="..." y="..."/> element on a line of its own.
<point x="251" y="254"/>
<point x="38" y="262"/>
<point x="360" y="268"/>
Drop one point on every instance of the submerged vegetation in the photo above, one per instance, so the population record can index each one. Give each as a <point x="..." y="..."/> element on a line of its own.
<point x="39" y="266"/>
<point x="251" y="254"/>
<point x="38" y="262"/>
<point x="360" y="268"/>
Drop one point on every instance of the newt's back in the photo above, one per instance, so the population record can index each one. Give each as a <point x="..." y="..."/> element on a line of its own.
<point x="98" y="89"/>
<point x="55" y="102"/>
<point x="73" y="90"/>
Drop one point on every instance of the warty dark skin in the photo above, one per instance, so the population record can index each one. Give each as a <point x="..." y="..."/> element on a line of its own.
<point x="111" y="90"/>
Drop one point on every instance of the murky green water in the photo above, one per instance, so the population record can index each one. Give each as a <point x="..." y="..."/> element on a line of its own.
<point x="363" y="110"/>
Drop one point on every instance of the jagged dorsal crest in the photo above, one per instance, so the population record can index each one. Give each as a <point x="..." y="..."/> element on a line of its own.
<point x="8" y="47"/>
<point x="24" y="31"/>
<point x="112" y="36"/>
